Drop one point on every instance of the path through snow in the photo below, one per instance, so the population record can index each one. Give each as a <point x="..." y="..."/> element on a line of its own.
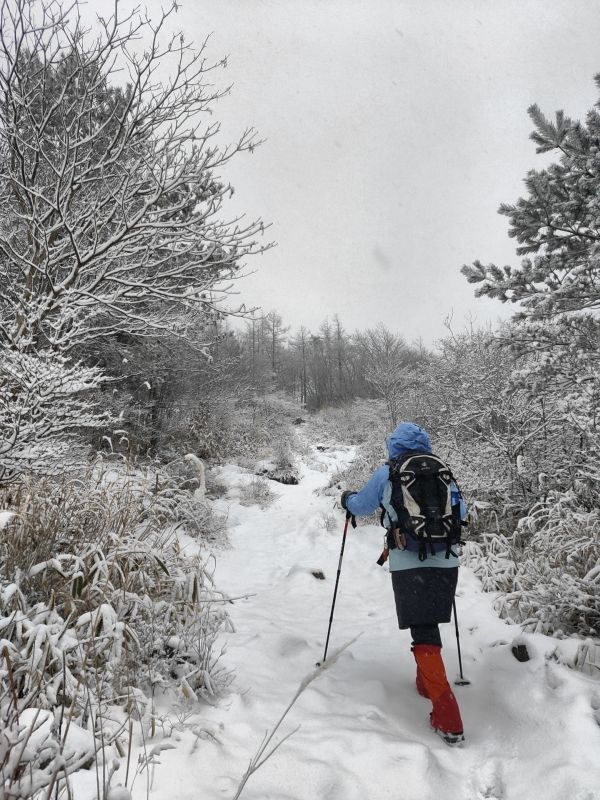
<point x="530" y="727"/>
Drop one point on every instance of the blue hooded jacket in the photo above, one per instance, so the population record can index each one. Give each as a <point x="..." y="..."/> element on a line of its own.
<point x="407" y="437"/>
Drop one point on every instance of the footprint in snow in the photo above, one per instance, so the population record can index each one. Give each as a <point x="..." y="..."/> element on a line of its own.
<point x="488" y="781"/>
<point x="291" y="646"/>
<point x="373" y="715"/>
<point x="553" y="678"/>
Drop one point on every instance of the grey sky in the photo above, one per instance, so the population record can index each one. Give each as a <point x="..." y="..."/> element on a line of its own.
<point x="394" y="129"/>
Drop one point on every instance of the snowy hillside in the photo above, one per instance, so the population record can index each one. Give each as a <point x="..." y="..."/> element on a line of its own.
<point x="532" y="729"/>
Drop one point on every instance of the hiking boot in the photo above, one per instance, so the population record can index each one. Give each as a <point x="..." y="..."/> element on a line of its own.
<point x="451" y="739"/>
<point x="445" y="716"/>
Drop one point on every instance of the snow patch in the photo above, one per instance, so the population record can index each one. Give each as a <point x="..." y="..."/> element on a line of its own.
<point x="5" y="518"/>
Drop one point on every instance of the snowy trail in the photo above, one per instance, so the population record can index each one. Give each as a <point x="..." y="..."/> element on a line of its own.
<point x="530" y="727"/>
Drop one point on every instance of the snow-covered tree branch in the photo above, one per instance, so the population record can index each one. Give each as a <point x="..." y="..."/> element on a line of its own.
<point x="44" y="399"/>
<point x="111" y="194"/>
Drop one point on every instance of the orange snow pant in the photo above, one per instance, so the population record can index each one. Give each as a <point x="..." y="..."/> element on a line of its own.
<point x="433" y="684"/>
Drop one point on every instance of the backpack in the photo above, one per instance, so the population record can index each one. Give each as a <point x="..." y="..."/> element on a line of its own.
<point x="420" y="507"/>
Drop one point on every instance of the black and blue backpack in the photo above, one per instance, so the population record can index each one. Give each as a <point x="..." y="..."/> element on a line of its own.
<point x="421" y="505"/>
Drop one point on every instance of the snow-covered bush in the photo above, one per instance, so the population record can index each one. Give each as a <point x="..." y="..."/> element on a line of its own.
<point x="241" y="430"/>
<point x="99" y="607"/>
<point x="109" y="558"/>
<point x="44" y="400"/>
<point x="329" y="522"/>
<point x="38" y="748"/>
<point x="549" y="570"/>
<point x="285" y="470"/>
<point x="257" y="493"/>
<point x="177" y="499"/>
<point x="492" y="560"/>
<point x="360" y="422"/>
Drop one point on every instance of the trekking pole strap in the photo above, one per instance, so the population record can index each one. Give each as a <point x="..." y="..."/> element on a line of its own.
<point x="384" y="553"/>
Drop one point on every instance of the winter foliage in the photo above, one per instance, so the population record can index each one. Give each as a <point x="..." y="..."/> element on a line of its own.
<point x="123" y="388"/>
<point x="114" y="242"/>
<point x="554" y="545"/>
<point x="101" y="611"/>
<point x="43" y="399"/>
<point x="111" y="202"/>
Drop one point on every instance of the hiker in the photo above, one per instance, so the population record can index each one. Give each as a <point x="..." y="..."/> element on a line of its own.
<point x="424" y="571"/>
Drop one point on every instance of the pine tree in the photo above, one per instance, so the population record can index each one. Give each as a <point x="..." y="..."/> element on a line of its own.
<point x="557" y="227"/>
<point x="558" y="223"/>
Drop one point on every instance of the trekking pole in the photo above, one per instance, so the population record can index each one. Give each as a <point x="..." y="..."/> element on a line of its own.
<point x="337" y="580"/>
<point x="463" y="681"/>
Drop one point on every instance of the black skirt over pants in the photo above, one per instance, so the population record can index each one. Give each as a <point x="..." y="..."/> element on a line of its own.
<point x="424" y="595"/>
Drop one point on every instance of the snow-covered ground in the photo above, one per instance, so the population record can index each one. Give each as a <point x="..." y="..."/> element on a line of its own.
<point x="532" y="729"/>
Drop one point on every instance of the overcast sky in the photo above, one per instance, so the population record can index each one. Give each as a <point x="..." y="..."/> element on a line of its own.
<point x="394" y="129"/>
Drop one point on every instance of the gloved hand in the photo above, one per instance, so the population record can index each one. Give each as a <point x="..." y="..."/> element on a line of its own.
<point x="345" y="495"/>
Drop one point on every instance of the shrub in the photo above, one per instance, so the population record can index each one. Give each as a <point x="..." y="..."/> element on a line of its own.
<point x="257" y="493"/>
<point x="99" y="608"/>
<point x="549" y="569"/>
<point x="358" y="423"/>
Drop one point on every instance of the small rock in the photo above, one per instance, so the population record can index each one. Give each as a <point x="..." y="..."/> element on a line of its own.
<point x="286" y="479"/>
<point x="318" y="574"/>
<point x="520" y="652"/>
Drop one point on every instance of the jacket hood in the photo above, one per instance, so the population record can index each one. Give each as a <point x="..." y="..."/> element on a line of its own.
<point x="407" y="436"/>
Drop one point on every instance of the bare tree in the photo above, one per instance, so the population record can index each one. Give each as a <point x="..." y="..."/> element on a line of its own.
<point x="386" y="359"/>
<point x="110" y="194"/>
